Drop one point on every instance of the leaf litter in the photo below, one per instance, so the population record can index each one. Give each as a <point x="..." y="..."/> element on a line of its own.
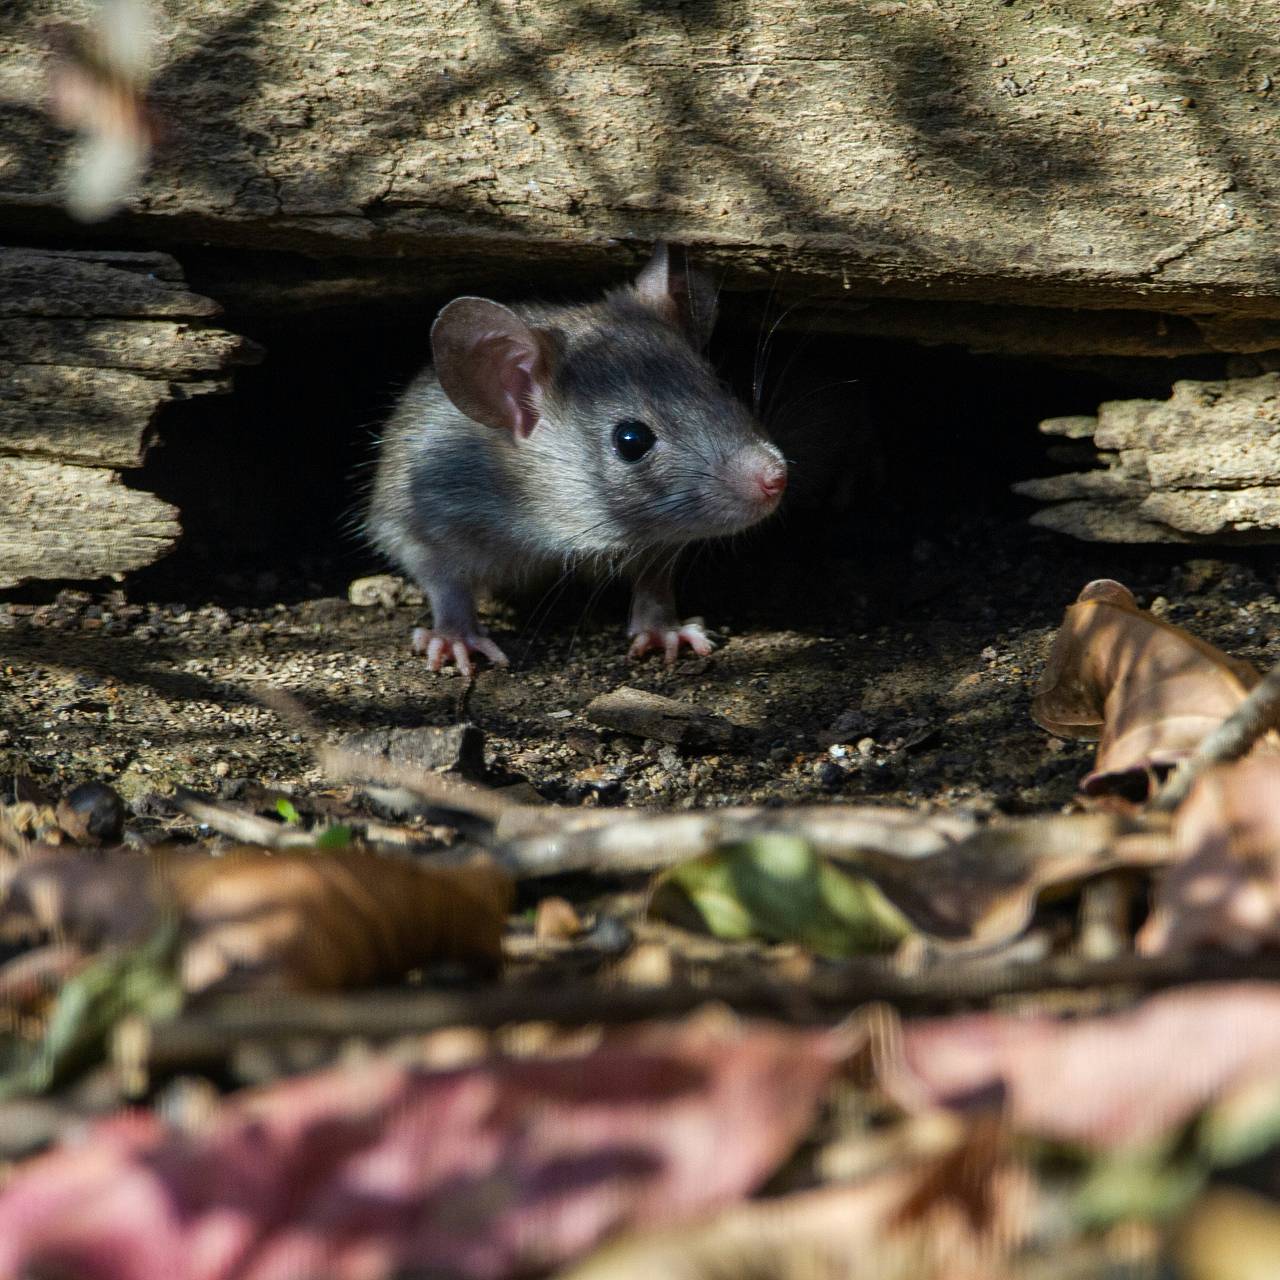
<point x="648" y="1140"/>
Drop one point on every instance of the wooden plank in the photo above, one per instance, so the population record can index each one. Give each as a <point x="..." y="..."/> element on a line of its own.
<point x="1106" y="153"/>
<point x="36" y="282"/>
<point x="61" y="521"/>
<point x="1202" y="465"/>
<point x="93" y="345"/>
<point x="162" y="347"/>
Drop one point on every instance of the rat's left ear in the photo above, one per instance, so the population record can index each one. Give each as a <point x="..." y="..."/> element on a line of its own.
<point x="682" y="296"/>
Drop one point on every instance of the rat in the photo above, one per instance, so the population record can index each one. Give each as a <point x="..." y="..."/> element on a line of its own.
<point x="548" y="437"/>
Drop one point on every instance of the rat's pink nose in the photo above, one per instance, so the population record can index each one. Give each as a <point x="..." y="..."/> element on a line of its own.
<point x="771" y="479"/>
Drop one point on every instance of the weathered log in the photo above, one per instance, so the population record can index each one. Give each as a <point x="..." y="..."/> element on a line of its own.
<point x="59" y="521"/>
<point x="1203" y="465"/>
<point x="93" y="345"/>
<point x="1095" y="155"/>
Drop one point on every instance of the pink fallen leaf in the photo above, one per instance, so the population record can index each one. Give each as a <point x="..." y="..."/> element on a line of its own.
<point x="1148" y="692"/>
<point x="1223" y="889"/>
<point x="363" y="1172"/>
<point x="1107" y="1082"/>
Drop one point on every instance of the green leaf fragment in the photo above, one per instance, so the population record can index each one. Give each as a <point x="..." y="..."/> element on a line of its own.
<point x="285" y="808"/>
<point x="141" y="980"/>
<point x="777" y="888"/>
<point x="335" y="837"/>
<point x="1150" y="1184"/>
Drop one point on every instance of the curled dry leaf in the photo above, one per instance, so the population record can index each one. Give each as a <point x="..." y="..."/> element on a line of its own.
<point x="252" y="917"/>
<point x="1114" y="1082"/>
<point x="329" y="920"/>
<point x="1147" y="691"/>
<point x="1224" y="887"/>
<point x="485" y="1171"/>
<point x="981" y="892"/>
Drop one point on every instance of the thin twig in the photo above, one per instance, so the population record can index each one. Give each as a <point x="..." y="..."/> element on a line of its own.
<point x="1234" y="737"/>
<point x="210" y="1032"/>
<point x="434" y="790"/>
<point x="238" y="824"/>
<point x="632" y="840"/>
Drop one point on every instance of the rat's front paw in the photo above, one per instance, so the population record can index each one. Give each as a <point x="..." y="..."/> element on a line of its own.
<point x="440" y="647"/>
<point x="669" y="640"/>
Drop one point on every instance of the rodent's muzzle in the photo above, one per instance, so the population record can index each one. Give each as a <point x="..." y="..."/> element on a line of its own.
<point x="758" y="477"/>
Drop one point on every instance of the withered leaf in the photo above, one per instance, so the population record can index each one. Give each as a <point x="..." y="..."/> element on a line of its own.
<point x="1148" y="692"/>
<point x="1224" y="886"/>
<point x="271" y="919"/>
<point x="505" y="1167"/>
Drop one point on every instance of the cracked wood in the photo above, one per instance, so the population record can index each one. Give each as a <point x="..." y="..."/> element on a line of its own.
<point x="1098" y="154"/>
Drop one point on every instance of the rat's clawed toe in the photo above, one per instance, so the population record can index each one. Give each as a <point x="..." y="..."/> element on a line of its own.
<point x="439" y="648"/>
<point x="669" y="639"/>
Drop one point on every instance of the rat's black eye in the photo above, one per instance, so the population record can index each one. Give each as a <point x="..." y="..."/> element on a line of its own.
<point x="632" y="440"/>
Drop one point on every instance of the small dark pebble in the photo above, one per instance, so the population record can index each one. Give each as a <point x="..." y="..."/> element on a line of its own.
<point x="92" y="811"/>
<point x="831" y="775"/>
<point x="610" y="935"/>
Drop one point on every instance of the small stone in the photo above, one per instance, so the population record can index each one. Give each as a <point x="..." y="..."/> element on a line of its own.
<point x="648" y="965"/>
<point x="650" y="715"/>
<point x="609" y="935"/>
<point x="830" y="775"/>
<point x="556" y="921"/>
<point x="382" y="589"/>
<point x="521" y="792"/>
<point x="458" y="747"/>
<point x="92" y="813"/>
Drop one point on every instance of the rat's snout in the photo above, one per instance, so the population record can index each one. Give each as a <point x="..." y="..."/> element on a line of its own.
<point x="760" y="476"/>
<point x="771" y="478"/>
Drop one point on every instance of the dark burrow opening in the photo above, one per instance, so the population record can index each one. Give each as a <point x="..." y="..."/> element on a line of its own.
<point x="902" y="454"/>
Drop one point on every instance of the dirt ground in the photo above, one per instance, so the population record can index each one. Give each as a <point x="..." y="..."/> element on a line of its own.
<point x="907" y="682"/>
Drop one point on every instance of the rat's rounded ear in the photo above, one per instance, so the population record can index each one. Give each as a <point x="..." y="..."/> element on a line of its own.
<point x="492" y="365"/>
<point x="680" y="295"/>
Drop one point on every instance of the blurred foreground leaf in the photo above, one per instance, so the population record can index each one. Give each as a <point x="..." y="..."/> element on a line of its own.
<point x="775" y="887"/>
<point x="120" y="983"/>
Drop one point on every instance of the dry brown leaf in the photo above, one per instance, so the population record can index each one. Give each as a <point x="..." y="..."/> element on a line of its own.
<point x="321" y="921"/>
<point x="1147" y="691"/>
<point x="272" y="920"/>
<point x="1229" y="1234"/>
<point x="1224" y="888"/>
<point x="981" y="891"/>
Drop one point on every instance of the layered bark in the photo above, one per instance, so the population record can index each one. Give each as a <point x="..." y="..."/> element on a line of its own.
<point x="1106" y="153"/>
<point x="1202" y="465"/>
<point x="93" y="346"/>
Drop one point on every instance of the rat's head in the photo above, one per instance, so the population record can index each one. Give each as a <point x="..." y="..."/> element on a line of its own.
<point x="624" y="436"/>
